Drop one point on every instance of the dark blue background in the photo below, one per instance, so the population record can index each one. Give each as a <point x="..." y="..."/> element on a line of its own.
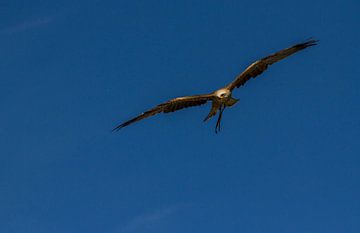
<point x="287" y="159"/>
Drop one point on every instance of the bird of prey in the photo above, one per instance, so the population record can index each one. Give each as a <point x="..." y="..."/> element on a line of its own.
<point x="222" y="97"/>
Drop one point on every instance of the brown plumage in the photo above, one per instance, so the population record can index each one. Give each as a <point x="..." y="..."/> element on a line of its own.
<point x="220" y="98"/>
<point x="261" y="65"/>
<point x="170" y="106"/>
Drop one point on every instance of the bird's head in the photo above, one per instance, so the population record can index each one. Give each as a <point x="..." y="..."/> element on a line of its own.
<point x="223" y="93"/>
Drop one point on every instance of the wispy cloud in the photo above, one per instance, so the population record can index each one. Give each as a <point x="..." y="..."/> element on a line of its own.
<point x="26" y="25"/>
<point x="148" y="220"/>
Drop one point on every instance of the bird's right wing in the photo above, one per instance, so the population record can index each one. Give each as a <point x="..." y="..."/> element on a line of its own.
<point x="261" y="65"/>
<point x="170" y="106"/>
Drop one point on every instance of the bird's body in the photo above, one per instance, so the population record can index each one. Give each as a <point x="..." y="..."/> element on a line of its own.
<point x="222" y="97"/>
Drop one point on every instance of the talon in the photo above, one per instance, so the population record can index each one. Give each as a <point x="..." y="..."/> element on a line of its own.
<point x="218" y="122"/>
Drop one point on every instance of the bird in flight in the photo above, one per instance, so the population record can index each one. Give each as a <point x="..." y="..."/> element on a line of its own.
<point x="222" y="97"/>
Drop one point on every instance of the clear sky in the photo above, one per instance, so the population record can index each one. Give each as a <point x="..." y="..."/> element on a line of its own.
<point x="287" y="158"/>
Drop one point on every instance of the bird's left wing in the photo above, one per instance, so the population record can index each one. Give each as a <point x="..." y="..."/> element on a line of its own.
<point x="170" y="106"/>
<point x="261" y="65"/>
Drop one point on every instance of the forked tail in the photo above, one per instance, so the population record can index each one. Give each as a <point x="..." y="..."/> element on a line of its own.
<point x="214" y="108"/>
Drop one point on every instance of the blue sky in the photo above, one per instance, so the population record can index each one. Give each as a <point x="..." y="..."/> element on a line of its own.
<point x="286" y="160"/>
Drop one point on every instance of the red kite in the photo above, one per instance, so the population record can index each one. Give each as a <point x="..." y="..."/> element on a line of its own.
<point x="220" y="98"/>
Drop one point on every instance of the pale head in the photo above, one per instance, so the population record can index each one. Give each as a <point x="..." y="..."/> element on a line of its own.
<point x="223" y="93"/>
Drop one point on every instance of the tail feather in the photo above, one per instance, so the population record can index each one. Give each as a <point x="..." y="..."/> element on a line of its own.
<point x="213" y="111"/>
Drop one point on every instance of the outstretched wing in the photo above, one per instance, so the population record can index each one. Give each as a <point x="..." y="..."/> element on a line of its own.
<point x="261" y="65"/>
<point x="170" y="106"/>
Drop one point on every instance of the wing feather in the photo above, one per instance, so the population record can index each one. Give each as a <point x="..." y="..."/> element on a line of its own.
<point x="169" y="106"/>
<point x="261" y="65"/>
